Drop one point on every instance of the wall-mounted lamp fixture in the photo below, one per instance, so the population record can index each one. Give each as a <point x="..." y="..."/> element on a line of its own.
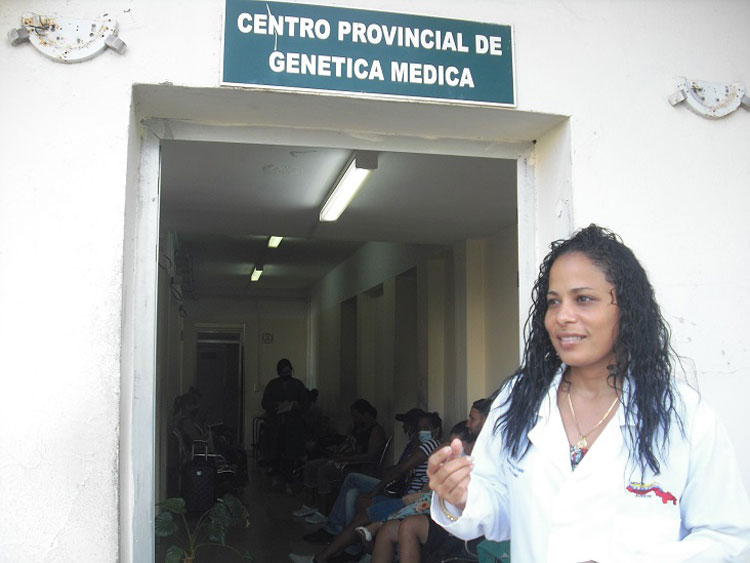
<point x="257" y="271"/>
<point x="347" y="185"/>
<point x="68" y="40"/>
<point x="710" y="99"/>
<point x="274" y="242"/>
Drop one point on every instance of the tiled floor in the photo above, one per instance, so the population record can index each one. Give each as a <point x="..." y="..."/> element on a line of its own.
<point x="273" y="532"/>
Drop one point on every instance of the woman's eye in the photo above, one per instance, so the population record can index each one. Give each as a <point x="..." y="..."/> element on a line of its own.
<point x="583" y="299"/>
<point x="551" y="301"/>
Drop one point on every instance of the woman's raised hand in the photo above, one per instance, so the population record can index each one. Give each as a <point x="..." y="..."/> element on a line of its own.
<point x="450" y="473"/>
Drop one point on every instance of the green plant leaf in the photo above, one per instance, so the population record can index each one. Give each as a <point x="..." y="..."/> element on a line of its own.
<point x="175" y="555"/>
<point x="217" y="531"/>
<point x="220" y="515"/>
<point x="164" y="524"/>
<point x="174" y="504"/>
<point x="240" y="515"/>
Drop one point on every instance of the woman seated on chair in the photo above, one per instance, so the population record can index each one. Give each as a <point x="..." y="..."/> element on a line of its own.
<point x="361" y="451"/>
<point x="186" y="417"/>
<point x="201" y="440"/>
<point x="409" y="528"/>
<point x="369" y="505"/>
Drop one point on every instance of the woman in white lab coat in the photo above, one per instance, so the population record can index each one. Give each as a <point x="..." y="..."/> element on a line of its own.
<point x="593" y="450"/>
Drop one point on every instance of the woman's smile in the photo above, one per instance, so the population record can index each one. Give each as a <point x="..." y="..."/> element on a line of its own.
<point x="569" y="341"/>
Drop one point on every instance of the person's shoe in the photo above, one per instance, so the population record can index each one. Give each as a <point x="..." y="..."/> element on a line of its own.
<point x="321" y="537"/>
<point x="365" y="536"/>
<point x="316" y="518"/>
<point x="294" y="558"/>
<point x="304" y="510"/>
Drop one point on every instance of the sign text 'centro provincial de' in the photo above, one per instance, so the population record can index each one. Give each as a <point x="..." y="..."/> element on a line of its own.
<point x="285" y="45"/>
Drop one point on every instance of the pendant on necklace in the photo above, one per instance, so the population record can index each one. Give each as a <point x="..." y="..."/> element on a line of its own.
<point x="576" y="455"/>
<point x="582" y="443"/>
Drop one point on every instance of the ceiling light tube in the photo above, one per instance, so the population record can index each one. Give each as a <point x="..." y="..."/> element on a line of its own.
<point x="257" y="271"/>
<point x="343" y="191"/>
<point x="274" y="242"/>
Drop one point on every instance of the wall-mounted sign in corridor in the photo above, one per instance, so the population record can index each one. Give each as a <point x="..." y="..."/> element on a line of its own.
<point x="284" y="45"/>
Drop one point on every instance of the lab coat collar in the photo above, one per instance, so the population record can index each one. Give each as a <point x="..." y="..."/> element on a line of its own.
<point x="547" y="407"/>
<point x="549" y="437"/>
<point x="548" y="434"/>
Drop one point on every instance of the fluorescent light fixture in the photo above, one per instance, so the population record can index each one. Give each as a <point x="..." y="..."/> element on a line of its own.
<point x="343" y="191"/>
<point x="257" y="271"/>
<point x="274" y="242"/>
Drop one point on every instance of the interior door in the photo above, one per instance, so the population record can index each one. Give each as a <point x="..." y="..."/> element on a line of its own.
<point x="219" y="378"/>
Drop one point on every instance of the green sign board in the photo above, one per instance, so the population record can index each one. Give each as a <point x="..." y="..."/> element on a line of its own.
<point x="323" y="48"/>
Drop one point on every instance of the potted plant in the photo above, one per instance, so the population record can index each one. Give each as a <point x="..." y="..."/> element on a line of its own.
<point x="211" y="528"/>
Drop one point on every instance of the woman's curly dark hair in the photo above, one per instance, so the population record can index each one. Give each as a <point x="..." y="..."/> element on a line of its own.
<point x="642" y="351"/>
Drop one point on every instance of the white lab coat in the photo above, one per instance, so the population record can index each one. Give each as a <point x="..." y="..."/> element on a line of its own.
<point x="552" y="513"/>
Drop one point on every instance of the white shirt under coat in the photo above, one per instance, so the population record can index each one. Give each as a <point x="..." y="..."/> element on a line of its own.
<point x="552" y="513"/>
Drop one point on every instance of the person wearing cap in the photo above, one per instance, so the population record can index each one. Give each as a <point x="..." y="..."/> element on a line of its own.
<point x="424" y="439"/>
<point x="356" y="484"/>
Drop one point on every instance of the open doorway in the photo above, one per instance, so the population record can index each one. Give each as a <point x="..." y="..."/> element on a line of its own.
<point x="368" y="275"/>
<point x="464" y="137"/>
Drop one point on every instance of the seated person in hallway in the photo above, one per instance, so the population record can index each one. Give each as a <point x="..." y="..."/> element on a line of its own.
<point x="477" y="415"/>
<point x="426" y="439"/>
<point x="216" y="439"/>
<point x="417" y="535"/>
<point x="284" y="400"/>
<point x="367" y="442"/>
<point x="356" y="483"/>
<point x="186" y="417"/>
<point x="415" y="504"/>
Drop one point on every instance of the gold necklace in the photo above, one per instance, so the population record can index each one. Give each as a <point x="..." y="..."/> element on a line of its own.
<point x="582" y="444"/>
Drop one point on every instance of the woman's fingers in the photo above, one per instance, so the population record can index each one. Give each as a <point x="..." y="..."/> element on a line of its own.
<point x="438" y="458"/>
<point x="452" y="480"/>
<point x="457" y="448"/>
<point x="450" y="473"/>
<point x="459" y="478"/>
<point x="444" y="454"/>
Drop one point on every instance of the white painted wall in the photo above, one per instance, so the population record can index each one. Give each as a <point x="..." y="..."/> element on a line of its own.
<point x="383" y="375"/>
<point x="674" y="185"/>
<point x="501" y="302"/>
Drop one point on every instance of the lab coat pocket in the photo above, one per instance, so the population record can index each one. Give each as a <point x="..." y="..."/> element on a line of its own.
<point x="648" y="515"/>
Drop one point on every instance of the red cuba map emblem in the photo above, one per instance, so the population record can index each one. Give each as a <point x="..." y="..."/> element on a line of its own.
<point x="643" y="489"/>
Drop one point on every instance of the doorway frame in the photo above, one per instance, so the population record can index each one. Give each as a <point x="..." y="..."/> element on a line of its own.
<point x="543" y="170"/>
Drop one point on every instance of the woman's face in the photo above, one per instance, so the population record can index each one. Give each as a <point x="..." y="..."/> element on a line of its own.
<point x="426" y="424"/>
<point x="582" y="313"/>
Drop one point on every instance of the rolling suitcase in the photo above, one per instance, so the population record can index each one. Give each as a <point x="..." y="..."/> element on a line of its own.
<point x="199" y="486"/>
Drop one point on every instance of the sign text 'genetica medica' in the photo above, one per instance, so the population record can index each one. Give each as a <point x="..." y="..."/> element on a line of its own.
<point x="285" y="45"/>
